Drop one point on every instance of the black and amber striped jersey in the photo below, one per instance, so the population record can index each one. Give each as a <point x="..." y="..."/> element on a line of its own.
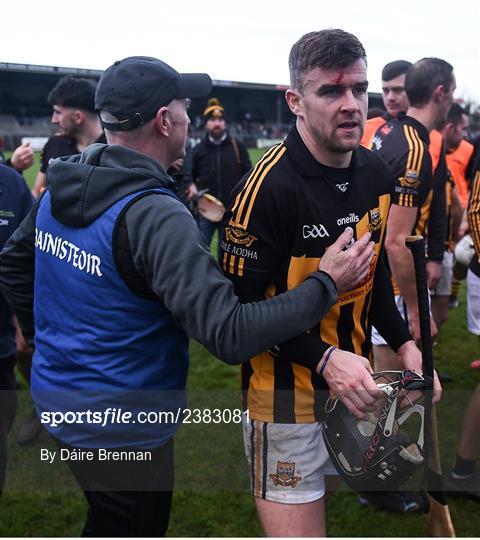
<point x="450" y="189"/>
<point x="439" y="215"/>
<point x="474" y="220"/>
<point x="281" y="218"/>
<point x="403" y="144"/>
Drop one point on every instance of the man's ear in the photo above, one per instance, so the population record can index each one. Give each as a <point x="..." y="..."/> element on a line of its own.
<point x="162" y="121"/>
<point x="438" y="93"/>
<point x="79" y="116"/>
<point x="450" y="127"/>
<point x="294" y="101"/>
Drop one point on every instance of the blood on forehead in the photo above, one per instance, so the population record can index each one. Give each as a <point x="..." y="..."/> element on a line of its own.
<point x="337" y="78"/>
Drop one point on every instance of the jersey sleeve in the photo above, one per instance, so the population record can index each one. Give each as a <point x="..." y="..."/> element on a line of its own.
<point x="438" y="217"/>
<point x="257" y="234"/>
<point x="474" y="213"/>
<point x="384" y="313"/>
<point x="412" y="173"/>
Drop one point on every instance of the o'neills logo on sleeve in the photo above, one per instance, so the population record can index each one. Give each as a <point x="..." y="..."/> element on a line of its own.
<point x="65" y="250"/>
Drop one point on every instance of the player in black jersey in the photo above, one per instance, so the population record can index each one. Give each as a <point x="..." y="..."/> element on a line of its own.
<point x="403" y="144"/>
<point x="300" y="197"/>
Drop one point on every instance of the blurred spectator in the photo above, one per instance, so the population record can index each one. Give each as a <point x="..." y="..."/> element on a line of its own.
<point x="15" y="203"/>
<point x="218" y="162"/>
<point x="73" y="102"/>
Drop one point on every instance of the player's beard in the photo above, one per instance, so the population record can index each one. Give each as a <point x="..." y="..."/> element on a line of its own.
<point x="337" y="145"/>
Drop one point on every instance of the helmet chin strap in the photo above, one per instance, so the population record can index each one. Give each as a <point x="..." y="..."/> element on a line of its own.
<point x="415" y="409"/>
<point x="386" y="420"/>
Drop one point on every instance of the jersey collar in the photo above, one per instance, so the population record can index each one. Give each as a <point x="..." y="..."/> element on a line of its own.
<point x="421" y="129"/>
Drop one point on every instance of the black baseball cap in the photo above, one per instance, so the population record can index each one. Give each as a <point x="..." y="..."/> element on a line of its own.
<point x="133" y="89"/>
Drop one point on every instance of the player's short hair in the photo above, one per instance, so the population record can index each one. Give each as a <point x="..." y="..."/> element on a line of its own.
<point x="325" y="49"/>
<point x="424" y="76"/>
<point x="456" y="114"/>
<point x="394" y="69"/>
<point x="74" y="92"/>
<point x="374" y="112"/>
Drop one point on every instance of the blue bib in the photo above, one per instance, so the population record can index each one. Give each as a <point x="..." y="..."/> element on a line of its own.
<point x="98" y="346"/>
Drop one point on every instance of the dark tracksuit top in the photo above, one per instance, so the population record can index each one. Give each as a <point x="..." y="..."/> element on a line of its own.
<point x="219" y="167"/>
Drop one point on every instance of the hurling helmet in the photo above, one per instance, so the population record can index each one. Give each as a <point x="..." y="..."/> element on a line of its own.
<point x="376" y="454"/>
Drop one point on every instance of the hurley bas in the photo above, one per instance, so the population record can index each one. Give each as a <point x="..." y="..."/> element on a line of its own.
<point x="95" y="454"/>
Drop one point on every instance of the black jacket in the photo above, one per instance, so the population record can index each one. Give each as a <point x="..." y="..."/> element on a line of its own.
<point x="160" y="251"/>
<point x="219" y="168"/>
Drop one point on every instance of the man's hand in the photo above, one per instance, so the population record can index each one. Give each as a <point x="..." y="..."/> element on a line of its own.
<point x="191" y="191"/>
<point x="464" y="226"/>
<point x="414" y="324"/>
<point x="349" y="378"/>
<point x="411" y="358"/>
<point x="434" y="273"/>
<point x="177" y="164"/>
<point x="22" y="157"/>
<point x="348" y="267"/>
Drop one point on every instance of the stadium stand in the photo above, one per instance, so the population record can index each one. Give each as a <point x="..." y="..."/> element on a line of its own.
<point x="257" y="112"/>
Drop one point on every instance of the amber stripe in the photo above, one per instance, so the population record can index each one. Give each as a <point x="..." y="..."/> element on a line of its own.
<point x="252" y="185"/>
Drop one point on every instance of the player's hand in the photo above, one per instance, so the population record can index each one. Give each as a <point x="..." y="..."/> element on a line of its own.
<point x="464" y="228"/>
<point x="348" y="265"/>
<point x="191" y="191"/>
<point x="22" y="157"/>
<point x="411" y="358"/>
<point x="414" y="324"/>
<point x="349" y="378"/>
<point x="434" y="273"/>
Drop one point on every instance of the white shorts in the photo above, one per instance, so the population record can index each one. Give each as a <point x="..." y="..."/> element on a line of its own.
<point x="473" y="303"/>
<point x="444" y="287"/>
<point x="287" y="462"/>
<point x="377" y="339"/>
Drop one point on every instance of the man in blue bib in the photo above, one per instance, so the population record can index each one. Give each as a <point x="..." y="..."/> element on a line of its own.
<point x="109" y="274"/>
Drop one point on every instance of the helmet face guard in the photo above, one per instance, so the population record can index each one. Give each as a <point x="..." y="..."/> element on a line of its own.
<point x="375" y="454"/>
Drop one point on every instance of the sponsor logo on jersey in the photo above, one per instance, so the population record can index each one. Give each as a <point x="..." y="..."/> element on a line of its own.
<point x="285" y="475"/>
<point x="239" y="251"/>
<point x="237" y="236"/>
<point x="343" y="187"/>
<point x="375" y="219"/>
<point x="314" y="231"/>
<point x="377" y="142"/>
<point x="351" y="218"/>
<point x="3" y="222"/>
<point x="385" y="129"/>
<point x="410" y="180"/>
